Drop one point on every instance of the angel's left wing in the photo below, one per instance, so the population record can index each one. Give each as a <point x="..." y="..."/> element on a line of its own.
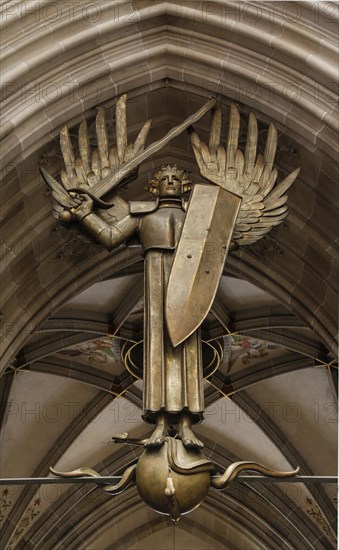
<point x="249" y="175"/>
<point x="255" y="219"/>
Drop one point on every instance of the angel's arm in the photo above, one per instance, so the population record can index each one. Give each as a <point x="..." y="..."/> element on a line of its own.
<point x="109" y="234"/>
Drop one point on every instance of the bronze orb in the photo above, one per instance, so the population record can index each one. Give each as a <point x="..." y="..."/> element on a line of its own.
<point x="66" y="216"/>
<point x="190" y="472"/>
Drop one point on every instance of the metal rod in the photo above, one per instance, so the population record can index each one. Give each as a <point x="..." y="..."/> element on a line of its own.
<point x="294" y="479"/>
<point x="110" y="479"/>
<point x="56" y="480"/>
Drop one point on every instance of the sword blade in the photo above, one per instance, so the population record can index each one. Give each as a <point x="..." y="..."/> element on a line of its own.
<point x="199" y="259"/>
<point x="112" y="180"/>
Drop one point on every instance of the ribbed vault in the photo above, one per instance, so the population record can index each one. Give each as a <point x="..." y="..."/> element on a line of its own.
<point x="60" y="62"/>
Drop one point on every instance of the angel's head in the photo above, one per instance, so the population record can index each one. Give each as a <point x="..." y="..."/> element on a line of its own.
<point x="169" y="182"/>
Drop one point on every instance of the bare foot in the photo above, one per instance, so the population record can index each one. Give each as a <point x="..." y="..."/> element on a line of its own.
<point x="186" y="435"/>
<point x="189" y="439"/>
<point x="160" y="433"/>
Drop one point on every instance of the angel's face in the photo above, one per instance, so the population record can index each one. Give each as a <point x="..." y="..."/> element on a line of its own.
<point x="170" y="184"/>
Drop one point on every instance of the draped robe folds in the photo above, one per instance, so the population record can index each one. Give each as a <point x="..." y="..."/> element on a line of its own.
<point x="172" y="376"/>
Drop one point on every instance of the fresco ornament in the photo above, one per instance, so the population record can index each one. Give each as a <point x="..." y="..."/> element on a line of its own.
<point x="5" y="504"/>
<point x="99" y="351"/>
<point x="314" y="511"/>
<point x="177" y="229"/>
<point x="26" y="521"/>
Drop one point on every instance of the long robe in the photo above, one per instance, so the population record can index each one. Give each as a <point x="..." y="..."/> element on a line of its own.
<point x="172" y="376"/>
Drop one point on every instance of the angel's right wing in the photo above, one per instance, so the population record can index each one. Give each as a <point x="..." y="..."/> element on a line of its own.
<point x="94" y="164"/>
<point x="91" y="165"/>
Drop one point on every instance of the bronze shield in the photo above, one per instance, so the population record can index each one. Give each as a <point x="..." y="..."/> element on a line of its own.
<point x="199" y="259"/>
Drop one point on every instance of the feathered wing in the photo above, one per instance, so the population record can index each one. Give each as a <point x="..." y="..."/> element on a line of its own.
<point x="255" y="219"/>
<point x="263" y="201"/>
<point x="250" y="175"/>
<point x="93" y="164"/>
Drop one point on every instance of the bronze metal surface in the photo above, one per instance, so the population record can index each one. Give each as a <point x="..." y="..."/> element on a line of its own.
<point x="132" y="356"/>
<point x="185" y="250"/>
<point x="127" y="477"/>
<point x="190" y="487"/>
<point x="232" y="472"/>
<point x="199" y="259"/>
<point x="172" y="376"/>
<point x="143" y="207"/>
<point x="126" y="165"/>
<point x="252" y="176"/>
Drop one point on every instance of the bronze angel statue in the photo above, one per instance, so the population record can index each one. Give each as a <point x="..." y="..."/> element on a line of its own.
<point x="185" y="231"/>
<point x="185" y="240"/>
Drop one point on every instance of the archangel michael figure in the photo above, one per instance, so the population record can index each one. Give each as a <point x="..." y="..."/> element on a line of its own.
<point x="185" y="231"/>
